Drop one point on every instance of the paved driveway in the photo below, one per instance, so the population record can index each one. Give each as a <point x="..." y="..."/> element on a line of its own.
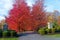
<point x="37" y="37"/>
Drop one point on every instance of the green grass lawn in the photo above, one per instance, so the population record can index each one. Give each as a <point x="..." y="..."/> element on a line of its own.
<point x="8" y="38"/>
<point x="53" y="35"/>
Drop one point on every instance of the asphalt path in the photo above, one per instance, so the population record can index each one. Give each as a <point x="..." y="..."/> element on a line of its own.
<point x="36" y="37"/>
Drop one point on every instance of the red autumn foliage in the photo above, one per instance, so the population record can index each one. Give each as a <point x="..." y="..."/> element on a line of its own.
<point x="22" y="19"/>
<point x="39" y="14"/>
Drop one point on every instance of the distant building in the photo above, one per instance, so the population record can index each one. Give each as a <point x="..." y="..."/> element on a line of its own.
<point x="5" y="27"/>
<point x="2" y="22"/>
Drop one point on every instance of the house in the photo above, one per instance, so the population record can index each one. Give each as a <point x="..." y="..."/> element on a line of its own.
<point x="3" y="25"/>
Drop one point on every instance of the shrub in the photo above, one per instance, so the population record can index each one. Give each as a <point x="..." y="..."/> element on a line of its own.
<point x="55" y="24"/>
<point x="48" y="31"/>
<point x="6" y="34"/>
<point x="13" y="33"/>
<point x="57" y="29"/>
<point x="53" y="30"/>
<point x="9" y="33"/>
<point x="45" y="29"/>
<point x="41" y="31"/>
<point x="1" y="33"/>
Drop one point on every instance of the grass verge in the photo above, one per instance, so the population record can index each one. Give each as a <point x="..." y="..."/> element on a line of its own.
<point x="8" y="38"/>
<point x="53" y="35"/>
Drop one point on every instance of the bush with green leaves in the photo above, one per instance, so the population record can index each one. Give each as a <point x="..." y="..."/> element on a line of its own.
<point x="53" y="30"/>
<point x="55" y="24"/>
<point x="13" y="33"/>
<point x="9" y="33"/>
<point x="48" y="31"/>
<point x="57" y="29"/>
<point x="41" y="31"/>
<point x="1" y="33"/>
<point x="6" y="34"/>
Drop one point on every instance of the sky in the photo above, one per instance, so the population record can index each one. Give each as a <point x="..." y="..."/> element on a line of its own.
<point x="6" y="5"/>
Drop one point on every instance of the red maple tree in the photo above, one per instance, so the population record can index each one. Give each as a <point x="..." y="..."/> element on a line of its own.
<point x="21" y="18"/>
<point x="39" y="14"/>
